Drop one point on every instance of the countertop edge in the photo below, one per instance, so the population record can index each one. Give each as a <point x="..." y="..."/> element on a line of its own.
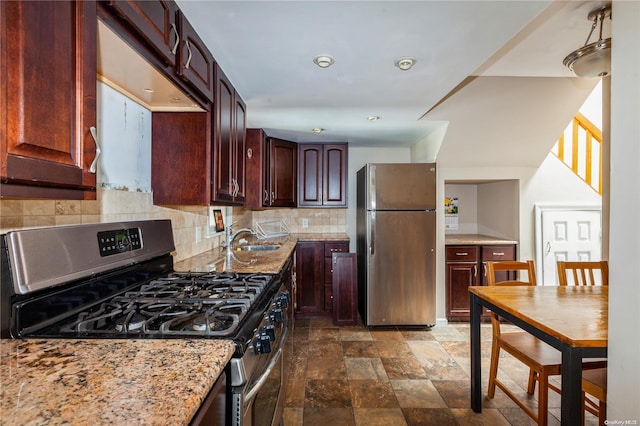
<point x="475" y="239"/>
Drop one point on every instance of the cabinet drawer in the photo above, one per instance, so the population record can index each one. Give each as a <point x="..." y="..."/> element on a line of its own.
<point x="498" y="253"/>
<point x="462" y="253"/>
<point x="335" y="247"/>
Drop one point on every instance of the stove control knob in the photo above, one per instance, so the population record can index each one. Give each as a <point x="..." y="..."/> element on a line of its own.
<point x="263" y="344"/>
<point x="270" y="331"/>
<point x="276" y="315"/>
<point x="283" y="300"/>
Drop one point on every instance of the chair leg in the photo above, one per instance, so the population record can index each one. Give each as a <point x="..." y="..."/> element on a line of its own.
<point x="493" y="369"/>
<point x="543" y="398"/>
<point x="602" y="413"/>
<point x="584" y="407"/>
<point x="531" y="385"/>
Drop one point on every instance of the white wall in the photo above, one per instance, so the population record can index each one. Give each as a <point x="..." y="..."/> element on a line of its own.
<point x="467" y="195"/>
<point x="124" y="132"/>
<point x="624" y="243"/>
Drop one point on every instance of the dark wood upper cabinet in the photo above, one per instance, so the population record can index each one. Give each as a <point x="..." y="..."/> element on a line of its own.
<point x="310" y="175"/>
<point x="229" y="143"/>
<point x="195" y="62"/>
<point x="322" y="175"/>
<point x="155" y="21"/>
<point x="48" y="87"/>
<point x="271" y="171"/>
<point x="282" y="167"/>
<point x="240" y="139"/>
<point x="180" y="158"/>
<point x="158" y="31"/>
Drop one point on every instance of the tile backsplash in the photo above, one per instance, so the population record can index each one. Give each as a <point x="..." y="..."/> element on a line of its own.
<point x="189" y="222"/>
<point x="113" y="206"/>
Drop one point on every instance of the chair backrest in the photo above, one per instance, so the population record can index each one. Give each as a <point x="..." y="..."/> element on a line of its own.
<point x="509" y="266"/>
<point x="583" y="273"/>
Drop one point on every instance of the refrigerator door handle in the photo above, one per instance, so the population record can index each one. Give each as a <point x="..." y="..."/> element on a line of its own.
<point x="372" y="186"/>
<point x="372" y="235"/>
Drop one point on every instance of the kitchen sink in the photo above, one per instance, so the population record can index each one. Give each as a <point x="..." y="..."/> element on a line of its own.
<point x="259" y="247"/>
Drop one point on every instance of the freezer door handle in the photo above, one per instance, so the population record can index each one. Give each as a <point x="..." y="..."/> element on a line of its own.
<point x="372" y="235"/>
<point x="372" y="187"/>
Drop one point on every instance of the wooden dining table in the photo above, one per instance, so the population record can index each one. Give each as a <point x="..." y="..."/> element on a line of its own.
<point x="572" y="319"/>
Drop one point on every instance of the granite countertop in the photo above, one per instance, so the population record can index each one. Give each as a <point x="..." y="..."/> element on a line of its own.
<point x="475" y="239"/>
<point x="266" y="262"/>
<point x="132" y="381"/>
<point x="66" y="381"/>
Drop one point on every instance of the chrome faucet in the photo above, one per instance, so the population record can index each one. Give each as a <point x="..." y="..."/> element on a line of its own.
<point x="232" y="235"/>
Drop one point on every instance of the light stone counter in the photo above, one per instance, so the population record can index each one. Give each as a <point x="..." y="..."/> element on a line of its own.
<point x="265" y="262"/>
<point x="107" y="382"/>
<point x="474" y="239"/>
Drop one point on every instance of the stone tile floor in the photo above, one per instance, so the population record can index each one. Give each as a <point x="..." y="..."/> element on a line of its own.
<point x="395" y="376"/>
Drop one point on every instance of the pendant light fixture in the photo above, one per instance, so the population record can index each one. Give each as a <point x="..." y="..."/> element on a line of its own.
<point x="592" y="60"/>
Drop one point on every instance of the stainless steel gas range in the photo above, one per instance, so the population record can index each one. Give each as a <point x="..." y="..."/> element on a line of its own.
<point x="116" y="280"/>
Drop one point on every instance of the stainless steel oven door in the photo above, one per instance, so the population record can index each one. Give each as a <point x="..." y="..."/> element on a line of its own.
<point x="265" y="406"/>
<point x="258" y="382"/>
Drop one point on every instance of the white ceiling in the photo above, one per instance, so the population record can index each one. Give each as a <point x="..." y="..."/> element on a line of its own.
<point x="267" y="47"/>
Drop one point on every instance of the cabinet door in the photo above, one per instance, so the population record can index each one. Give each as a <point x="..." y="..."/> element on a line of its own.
<point x="239" y="148"/>
<point x="254" y="167"/>
<point x="460" y="275"/>
<point x="155" y="22"/>
<point x="345" y="294"/>
<point x="334" y="186"/>
<point x="195" y="62"/>
<point x="310" y="157"/>
<point x="48" y="87"/>
<point x="462" y="272"/>
<point x="180" y="168"/>
<point x="223" y="139"/>
<point x="283" y="160"/>
<point x="310" y="277"/>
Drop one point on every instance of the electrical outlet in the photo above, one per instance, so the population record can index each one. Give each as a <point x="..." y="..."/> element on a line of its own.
<point x="305" y="223"/>
<point x="198" y="234"/>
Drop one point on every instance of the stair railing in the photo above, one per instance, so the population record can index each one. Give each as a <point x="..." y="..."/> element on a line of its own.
<point x="582" y="157"/>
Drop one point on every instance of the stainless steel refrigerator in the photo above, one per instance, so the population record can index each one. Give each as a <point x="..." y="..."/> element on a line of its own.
<point x="396" y="229"/>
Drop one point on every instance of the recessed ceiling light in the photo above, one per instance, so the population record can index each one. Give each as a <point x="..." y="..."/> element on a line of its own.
<point x="373" y="118"/>
<point x="323" y="61"/>
<point x="175" y="99"/>
<point x="148" y="90"/>
<point x="317" y="130"/>
<point x="405" y="63"/>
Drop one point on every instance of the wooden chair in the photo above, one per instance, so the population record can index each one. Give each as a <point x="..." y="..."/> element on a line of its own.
<point x="543" y="360"/>
<point x="583" y="273"/>
<point x="594" y="382"/>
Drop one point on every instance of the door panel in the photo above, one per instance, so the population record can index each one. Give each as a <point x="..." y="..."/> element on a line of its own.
<point x="573" y="235"/>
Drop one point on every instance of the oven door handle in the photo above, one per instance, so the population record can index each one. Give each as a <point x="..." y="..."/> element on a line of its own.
<point x="270" y="366"/>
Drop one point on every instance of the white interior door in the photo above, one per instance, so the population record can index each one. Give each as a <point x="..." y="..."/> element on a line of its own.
<point x="574" y="235"/>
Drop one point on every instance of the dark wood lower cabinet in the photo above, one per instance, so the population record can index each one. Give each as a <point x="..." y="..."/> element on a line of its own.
<point x="309" y="278"/>
<point x="314" y="277"/>
<point x="465" y="267"/>
<point x="344" y="270"/>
